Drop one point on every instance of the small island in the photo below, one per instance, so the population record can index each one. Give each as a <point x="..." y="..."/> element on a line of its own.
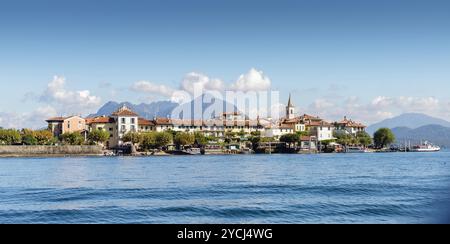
<point x="124" y="132"/>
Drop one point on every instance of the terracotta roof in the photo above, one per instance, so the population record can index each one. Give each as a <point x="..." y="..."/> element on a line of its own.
<point x="350" y="123"/>
<point x="214" y="122"/>
<point x="293" y="121"/>
<point x="285" y="126"/>
<point x="124" y="111"/>
<point x="187" y="122"/>
<point x="142" y="121"/>
<point x="317" y="123"/>
<point x="100" y="120"/>
<point x="310" y="117"/>
<point x="60" y="119"/>
<point x="56" y="119"/>
<point x="163" y="121"/>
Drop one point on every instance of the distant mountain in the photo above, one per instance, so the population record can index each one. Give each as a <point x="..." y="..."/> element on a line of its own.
<point x="435" y="134"/>
<point x="155" y="109"/>
<point x="409" y="120"/>
<point x="161" y="108"/>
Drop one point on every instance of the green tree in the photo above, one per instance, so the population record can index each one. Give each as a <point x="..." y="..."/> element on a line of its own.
<point x="44" y="137"/>
<point x="184" y="139"/>
<point x="200" y="139"/>
<point x="383" y="137"/>
<point x="255" y="140"/>
<point x="364" y="138"/>
<point x="302" y="133"/>
<point x="163" y="139"/>
<point x="29" y="139"/>
<point x="98" y="136"/>
<point x="327" y="142"/>
<point x="10" y="136"/>
<point x="290" y="139"/>
<point x="230" y="134"/>
<point x="148" y="140"/>
<point x="133" y="137"/>
<point x="74" y="138"/>
<point x="344" y="139"/>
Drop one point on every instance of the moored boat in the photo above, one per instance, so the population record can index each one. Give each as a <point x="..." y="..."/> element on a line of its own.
<point x="192" y="151"/>
<point x="425" y="147"/>
<point x="356" y="150"/>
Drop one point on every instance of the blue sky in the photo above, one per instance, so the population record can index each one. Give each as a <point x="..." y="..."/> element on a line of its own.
<point x="369" y="59"/>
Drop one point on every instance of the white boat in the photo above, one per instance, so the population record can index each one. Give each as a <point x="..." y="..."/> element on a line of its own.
<point x="356" y="150"/>
<point x="192" y="151"/>
<point x="425" y="147"/>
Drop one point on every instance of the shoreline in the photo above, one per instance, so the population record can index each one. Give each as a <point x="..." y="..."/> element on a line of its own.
<point x="173" y="155"/>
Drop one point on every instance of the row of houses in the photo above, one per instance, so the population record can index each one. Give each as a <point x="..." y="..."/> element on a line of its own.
<point x="125" y="120"/>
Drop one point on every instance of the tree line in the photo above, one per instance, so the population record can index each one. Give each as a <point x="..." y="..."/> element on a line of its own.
<point x="158" y="140"/>
<point x="153" y="140"/>
<point x="46" y="137"/>
<point x="381" y="139"/>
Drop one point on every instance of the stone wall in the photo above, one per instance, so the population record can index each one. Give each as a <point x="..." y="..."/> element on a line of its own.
<point x="50" y="150"/>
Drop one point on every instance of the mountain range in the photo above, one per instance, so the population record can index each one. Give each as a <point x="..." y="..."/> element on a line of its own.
<point x="436" y="134"/>
<point x="164" y="108"/>
<point x="409" y="120"/>
<point x="415" y="127"/>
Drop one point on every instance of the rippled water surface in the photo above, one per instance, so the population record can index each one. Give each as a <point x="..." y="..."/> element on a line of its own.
<point x="344" y="188"/>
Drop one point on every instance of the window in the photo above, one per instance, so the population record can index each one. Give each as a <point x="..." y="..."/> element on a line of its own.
<point x="123" y="120"/>
<point x="133" y="120"/>
<point x="68" y="124"/>
<point x="123" y="128"/>
<point x="133" y="128"/>
<point x="110" y="129"/>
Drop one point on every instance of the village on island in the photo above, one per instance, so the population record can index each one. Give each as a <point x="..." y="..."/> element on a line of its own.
<point x="124" y="132"/>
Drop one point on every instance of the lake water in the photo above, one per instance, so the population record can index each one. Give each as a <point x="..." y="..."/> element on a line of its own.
<point x="326" y="188"/>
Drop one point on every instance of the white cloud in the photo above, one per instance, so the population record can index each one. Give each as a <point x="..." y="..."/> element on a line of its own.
<point x="195" y="83"/>
<point x="254" y="80"/>
<point x="379" y="108"/>
<point x="34" y="120"/>
<point x="197" y="80"/>
<point x="321" y="104"/>
<point x="69" y="101"/>
<point x="150" y="87"/>
<point x="408" y="104"/>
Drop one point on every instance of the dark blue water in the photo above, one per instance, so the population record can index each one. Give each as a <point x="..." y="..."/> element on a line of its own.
<point x="344" y="188"/>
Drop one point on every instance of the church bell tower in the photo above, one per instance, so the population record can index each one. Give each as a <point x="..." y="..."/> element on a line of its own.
<point x="290" y="109"/>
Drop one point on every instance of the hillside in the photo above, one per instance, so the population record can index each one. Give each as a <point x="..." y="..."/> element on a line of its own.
<point x="158" y="109"/>
<point x="436" y="134"/>
<point x="409" y="120"/>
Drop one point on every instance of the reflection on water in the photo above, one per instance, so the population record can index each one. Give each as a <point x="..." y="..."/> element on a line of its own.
<point x="328" y="188"/>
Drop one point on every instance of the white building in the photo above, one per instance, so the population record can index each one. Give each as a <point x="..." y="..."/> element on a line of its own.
<point x="348" y="126"/>
<point x="126" y="120"/>
<point x="277" y="131"/>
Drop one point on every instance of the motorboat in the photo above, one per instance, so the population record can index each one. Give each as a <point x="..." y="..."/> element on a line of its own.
<point x="356" y="150"/>
<point x="192" y="151"/>
<point x="425" y="147"/>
